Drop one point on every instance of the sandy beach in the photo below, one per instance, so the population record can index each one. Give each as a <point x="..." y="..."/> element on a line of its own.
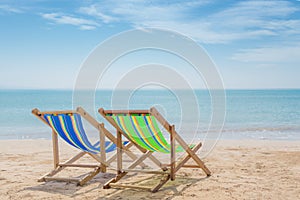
<point x="241" y="169"/>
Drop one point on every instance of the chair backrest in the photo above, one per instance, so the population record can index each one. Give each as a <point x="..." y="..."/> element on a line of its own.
<point x="70" y="128"/>
<point x="143" y="130"/>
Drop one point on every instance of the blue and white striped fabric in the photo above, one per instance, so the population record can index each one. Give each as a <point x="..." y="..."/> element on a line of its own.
<point x="69" y="127"/>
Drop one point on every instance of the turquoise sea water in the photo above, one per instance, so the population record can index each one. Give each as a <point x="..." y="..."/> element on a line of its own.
<point x="250" y="114"/>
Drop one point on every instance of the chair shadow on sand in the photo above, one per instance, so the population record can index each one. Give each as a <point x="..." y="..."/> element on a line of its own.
<point x="71" y="190"/>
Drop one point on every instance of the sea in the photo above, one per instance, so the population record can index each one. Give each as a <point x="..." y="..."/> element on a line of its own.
<point x="247" y="114"/>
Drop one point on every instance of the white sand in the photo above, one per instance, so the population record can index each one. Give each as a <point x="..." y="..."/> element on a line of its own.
<point x="240" y="170"/>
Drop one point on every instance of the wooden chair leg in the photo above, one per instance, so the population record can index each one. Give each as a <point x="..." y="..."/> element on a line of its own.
<point x="60" y="168"/>
<point x="55" y="149"/>
<point x="187" y="157"/>
<point x="173" y="154"/>
<point x="163" y="181"/>
<point x="102" y="147"/>
<point x="89" y="176"/>
<point x="121" y="174"/>
<point x="192" y="154"/>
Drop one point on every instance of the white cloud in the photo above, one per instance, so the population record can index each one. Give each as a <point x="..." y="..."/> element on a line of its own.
<point x="94" y="10"/>
<point x="262" y="16"/>
<point x="269" y="55"/>
<point x="10" y="9"/>
<point x="83" y="24"/>
<point x="241" y="20"/>
<point x="206" y="21"/>
<point x="258" y="9"/>
<point x="87" y="27"/>
<point x="136" y="12"/>
<point x="252" y="19"/>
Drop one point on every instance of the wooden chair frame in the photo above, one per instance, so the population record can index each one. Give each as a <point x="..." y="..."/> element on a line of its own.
<point x="102" y="162"/>
<point x="168" y="170"/>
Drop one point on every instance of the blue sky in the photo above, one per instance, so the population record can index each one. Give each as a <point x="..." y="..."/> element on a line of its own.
<point x="255" y="44"/>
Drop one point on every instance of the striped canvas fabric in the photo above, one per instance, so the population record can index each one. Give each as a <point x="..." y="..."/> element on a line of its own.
<point x="143" y="130"/>
<point x="69" y="127"/>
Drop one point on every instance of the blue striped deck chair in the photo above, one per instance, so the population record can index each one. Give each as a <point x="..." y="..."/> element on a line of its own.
<point x="141" y="128"/>
<point x="68" y="126"/>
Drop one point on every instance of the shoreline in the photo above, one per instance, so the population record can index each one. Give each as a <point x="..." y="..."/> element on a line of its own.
<point x="219" y="140"/>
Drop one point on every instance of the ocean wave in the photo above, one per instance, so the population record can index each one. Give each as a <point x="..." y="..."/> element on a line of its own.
<point x="262" y="129"/>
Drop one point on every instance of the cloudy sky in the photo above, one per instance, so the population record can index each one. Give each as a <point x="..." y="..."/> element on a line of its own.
<point x="255" y="44"/>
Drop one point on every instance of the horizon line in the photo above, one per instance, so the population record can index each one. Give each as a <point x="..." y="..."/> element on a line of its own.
<point x="124" y="89"/>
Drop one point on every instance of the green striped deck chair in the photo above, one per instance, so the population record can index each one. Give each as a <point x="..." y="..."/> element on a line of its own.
<point x="69" y="127"/>
<point x="141" y="128"/>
